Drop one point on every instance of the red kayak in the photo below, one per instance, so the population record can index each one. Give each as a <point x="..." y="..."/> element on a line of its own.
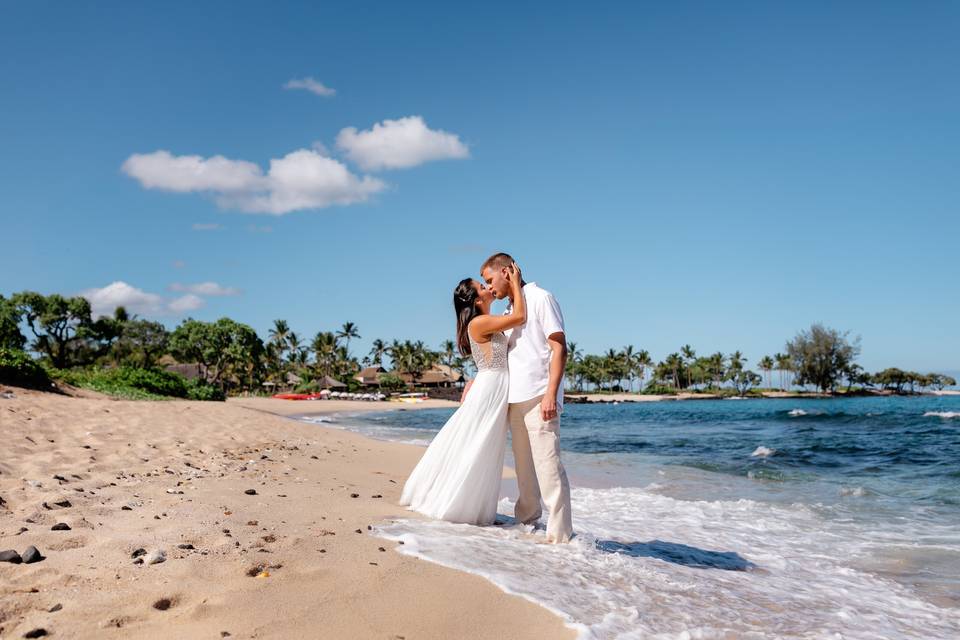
<point x="297" y="396"/>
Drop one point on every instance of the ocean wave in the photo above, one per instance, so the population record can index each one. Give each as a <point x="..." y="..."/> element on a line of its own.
<point x="856" y="492"/>
<point x="316" y="419"/>
<point x="942" y="414"/>
<point x="762" y="452"/>
<point x="648" y="565"/>
<point x="797" y="412"/>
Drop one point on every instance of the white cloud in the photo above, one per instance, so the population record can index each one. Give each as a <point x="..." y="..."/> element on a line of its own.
<point x="105" y="300"/>
<point x="399" y="144"/>
<point x="183" y="174"/>
<point x="186" y="303"/>
<point x="311" y="85"/>
<point x="204" y="289"/>
<point x="303" y="179"/>
<point x="206" y="226"/>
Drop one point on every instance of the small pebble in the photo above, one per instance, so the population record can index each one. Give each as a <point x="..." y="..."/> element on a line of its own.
<point x="60" y="526"/>
<point x="156" y="557"/>
<point x="185" y="546"/>
<point x="55" y="608"/>
<point x="138" y="553"/>
<point x="35" y="633"/>
<point x="251" y="492"/>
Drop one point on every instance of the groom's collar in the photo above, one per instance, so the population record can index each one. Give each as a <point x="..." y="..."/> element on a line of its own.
<point x="510" y="302"/>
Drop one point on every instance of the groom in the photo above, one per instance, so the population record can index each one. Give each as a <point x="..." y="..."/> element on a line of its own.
<point x="536" y="359"/>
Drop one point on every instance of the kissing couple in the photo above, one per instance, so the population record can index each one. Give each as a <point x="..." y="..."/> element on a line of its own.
<point x="520" y="358"/>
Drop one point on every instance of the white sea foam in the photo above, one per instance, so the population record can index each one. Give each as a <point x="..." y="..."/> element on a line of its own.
<point x="797" y="412"/>
<point x="762" y="452"/>
<point x="316" y="419"/>
<point x="942" y="414"/>
<point x="645" y="565"/>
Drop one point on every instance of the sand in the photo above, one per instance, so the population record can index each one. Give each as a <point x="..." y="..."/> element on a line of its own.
<point x="163" y="475"/>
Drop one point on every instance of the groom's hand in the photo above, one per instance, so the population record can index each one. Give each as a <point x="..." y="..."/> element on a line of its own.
<point x="548" y="407"/>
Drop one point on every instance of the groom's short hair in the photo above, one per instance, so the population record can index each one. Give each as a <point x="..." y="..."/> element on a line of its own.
<point x="497" y="261"/>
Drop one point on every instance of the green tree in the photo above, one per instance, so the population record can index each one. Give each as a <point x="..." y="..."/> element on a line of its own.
<point x="641" y="361"/>
<point x="766" y="365"/>
<point x="58" y="324"/>
<point x="377" y="351"/>
<point x="743" y="380"/>
<point x="324" y="347"/>
<point x="141" y="343"/>
<point x="784" y="366"/>
<point x="226" y="351"/>
<point x="820" y="356"/>
<point x="348" y="331"/>
<point x="688" y="354"/>
<point x="10" y="336"/>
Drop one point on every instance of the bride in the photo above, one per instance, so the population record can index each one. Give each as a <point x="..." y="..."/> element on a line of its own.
<point x="458" y="478"/>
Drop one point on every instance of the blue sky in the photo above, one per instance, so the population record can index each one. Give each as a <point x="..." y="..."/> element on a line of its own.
<point x="719" y="174"/>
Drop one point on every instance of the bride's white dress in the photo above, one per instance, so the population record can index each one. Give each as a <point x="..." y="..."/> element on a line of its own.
<point x="458" y="478"/>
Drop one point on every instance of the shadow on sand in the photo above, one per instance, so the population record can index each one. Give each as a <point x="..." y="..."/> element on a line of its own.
<point x="678" y="554"/>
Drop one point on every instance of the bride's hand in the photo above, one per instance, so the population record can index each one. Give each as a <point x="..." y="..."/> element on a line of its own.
<point x="513" y="272"/>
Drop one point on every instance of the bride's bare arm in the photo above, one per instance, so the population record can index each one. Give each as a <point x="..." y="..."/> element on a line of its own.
<point x="482" y="327"/>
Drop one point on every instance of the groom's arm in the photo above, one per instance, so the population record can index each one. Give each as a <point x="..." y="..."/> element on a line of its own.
<point x="558" y="361"/>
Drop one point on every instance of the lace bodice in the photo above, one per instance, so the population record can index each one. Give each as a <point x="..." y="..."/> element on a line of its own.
<point x="490" y="355"/>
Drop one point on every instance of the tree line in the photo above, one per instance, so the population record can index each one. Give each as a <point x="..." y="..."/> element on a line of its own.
<point x="231" y="356"/>
<point x="819" y="356"/>
<point x="228" y="354"/>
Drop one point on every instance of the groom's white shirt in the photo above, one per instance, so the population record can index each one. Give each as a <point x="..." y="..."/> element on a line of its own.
<point x="529" y="352"/>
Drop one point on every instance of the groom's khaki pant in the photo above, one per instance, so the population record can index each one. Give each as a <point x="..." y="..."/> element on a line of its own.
<point x="540" y="474"/>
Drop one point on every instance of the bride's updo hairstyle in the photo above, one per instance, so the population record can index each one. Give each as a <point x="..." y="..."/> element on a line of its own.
<point x="465" y="306"/>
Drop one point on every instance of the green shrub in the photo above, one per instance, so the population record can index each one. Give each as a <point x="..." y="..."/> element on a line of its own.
<point x="200" y="390"/>
<point x="18" y="368"/>
<point x="126" y="382"/>
<point x="155" y="381"/>
<point x="658" y="390"/>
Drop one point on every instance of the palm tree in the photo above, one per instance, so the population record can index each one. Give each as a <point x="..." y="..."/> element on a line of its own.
<point x="324" y="346"/>
<point x="627" y="355"/>
<point x="717" y="364"/>
<point x="348" y="331"/>
<point x="297" y="350"/>
<point x="766" y="365"/>
<point x="641" y="360"/>
<point x="688" y="354"/>
<point x="674" y="364"/>
<point x="574" y="366"/>
<point x="784" y="365"/>
<point x="377" y="351"/>
<point x="279" y="334"/>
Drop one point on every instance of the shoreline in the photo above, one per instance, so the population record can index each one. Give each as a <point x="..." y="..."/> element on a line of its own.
<point x="608" y="398"/>
<point x="293" y="559"/>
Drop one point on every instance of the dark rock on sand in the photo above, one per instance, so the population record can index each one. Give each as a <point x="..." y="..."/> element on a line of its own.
<point x="138" y="553"/>
<point x="251" y="492"/>
<point x="163" y="604"/>
<point x="55" y="608"/>
<point x="11" y="556"/>
<point x="31" y="555"/>
<point x="60" y="526"/>
<point x="185" y="546"/>
<point x="39" y="632"/>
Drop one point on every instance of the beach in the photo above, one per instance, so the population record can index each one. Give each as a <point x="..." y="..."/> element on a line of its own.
<point x="265" y="525"/>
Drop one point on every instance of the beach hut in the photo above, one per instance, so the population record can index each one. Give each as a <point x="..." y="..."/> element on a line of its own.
<point x="326" y="382"/>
